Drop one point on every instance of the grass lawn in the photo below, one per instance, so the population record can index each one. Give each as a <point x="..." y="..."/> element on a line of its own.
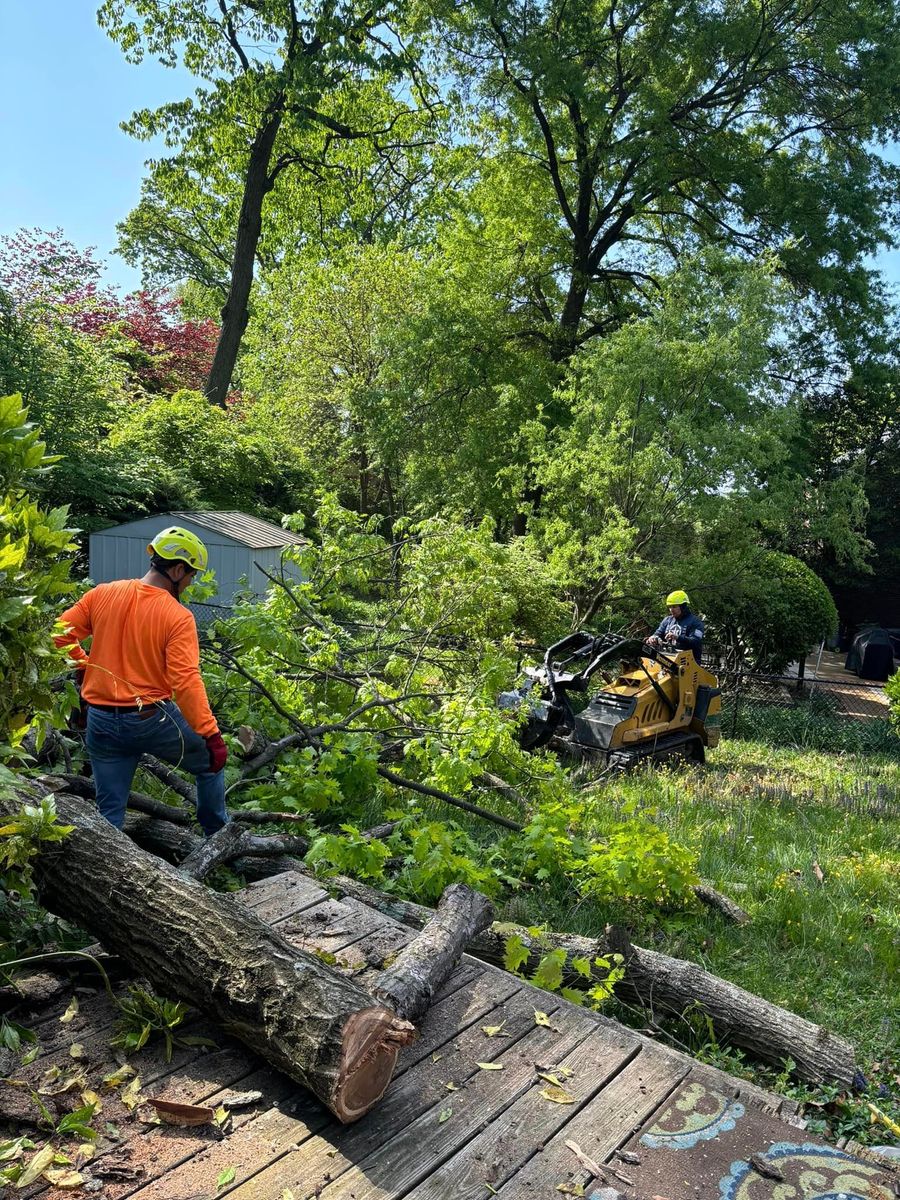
<point x="762" y="820"/>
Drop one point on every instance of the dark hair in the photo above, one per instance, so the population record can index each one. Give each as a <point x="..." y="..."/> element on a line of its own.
<point x="162" y="564"/>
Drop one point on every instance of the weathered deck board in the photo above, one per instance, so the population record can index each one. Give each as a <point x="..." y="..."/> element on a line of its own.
<point x="191" y="1076"/>
<point x="405" y="1159"/>
<point x="452" y="1061"/>
<point x="271" y="1133"/>
<point x="502" y="1136"/>
<point x="600" y="1127"/>
<point x="492" y="1157"/>
<point x="279" y="897"/>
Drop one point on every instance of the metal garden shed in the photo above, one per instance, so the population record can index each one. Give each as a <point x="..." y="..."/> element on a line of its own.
<point x="241" y="549"/>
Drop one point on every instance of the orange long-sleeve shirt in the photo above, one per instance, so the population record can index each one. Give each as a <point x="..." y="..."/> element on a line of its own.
<point x="144" y="648"/>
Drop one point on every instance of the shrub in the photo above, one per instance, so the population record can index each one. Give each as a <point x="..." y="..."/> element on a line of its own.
<point x="34" y="578"/>
<point x="776" y="609"/>
<point x="892" y="688"/>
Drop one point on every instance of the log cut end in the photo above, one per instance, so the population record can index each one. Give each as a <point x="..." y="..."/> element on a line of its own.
<point x="372" y="1041"/>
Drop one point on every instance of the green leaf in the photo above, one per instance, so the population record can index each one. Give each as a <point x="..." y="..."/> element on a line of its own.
<point x="515" y="953"/>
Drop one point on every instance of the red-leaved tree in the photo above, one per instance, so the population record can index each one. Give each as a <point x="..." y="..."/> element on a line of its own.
<point x="49" y="278"/>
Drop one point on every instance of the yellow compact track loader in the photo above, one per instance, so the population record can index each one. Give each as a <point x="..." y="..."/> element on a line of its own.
<point x="662" y="704"/>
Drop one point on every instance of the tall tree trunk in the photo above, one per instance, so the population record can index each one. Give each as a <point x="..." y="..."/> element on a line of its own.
<point x="235" y="312"/>
<point x="573" y="311"/>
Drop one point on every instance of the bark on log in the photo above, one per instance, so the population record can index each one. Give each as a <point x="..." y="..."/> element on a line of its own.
<point x="741" y="1018"/>
<point x="420" y="968"/>
<point x="658" y="982"/>
<point x="222" y="846"/>
<point x="174" y="844"/>
<point x="233" y="841"/>
<point x="169" y="776"/>
<point x="314" y="1024"/>
<point x="708" y="895"/>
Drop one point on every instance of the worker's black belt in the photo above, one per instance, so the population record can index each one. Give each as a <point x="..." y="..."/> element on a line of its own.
<point x="145" y="710"/>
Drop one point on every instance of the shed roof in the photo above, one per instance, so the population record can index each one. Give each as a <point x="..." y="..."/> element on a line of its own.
<point x="250" y="531"/>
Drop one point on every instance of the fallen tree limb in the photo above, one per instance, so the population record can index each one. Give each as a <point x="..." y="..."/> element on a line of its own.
<point x="234" y="841"/>
<point x="425" y="790"/>
<point x="494" y="783"/>
<point x="657" y="982"/>
<point x="174" y="843"/>
<point x="708" y="895"/>
<point x="222" y="846"/>
<point x="271" y="751"/>
<point x="170" y="777"/>
<point x="302" y="1016"/>
<point x="420" y="968"/>
<point x="82" y="785"/>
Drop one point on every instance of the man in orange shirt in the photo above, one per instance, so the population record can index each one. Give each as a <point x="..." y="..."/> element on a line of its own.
<point x="144" y="652"/>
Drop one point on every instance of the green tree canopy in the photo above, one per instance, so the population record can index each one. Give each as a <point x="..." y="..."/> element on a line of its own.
<point x="618" y="135"/>
<point x="282" y="83"/>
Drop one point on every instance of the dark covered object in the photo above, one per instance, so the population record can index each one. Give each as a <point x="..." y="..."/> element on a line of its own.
<point x="871" y="655"/>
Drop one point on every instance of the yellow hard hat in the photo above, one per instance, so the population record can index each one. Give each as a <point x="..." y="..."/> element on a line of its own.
<point x="180" y="545"/>
<point x="677" y="598"/>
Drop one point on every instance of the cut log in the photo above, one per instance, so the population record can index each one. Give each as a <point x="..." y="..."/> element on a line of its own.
<point x="658" y="982"/>
<point x="420" y="968"/>
<point x="252" y="742"/>
<point x="299" y="1014"/>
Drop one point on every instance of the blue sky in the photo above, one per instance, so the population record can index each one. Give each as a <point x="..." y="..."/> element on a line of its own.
<point x="64" y="161"/>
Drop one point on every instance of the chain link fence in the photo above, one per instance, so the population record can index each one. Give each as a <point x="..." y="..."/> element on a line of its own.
<point x="207" y="614"/>
<point x="820" y="714"/>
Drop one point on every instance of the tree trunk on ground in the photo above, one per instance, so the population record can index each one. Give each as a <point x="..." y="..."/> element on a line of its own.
<point x="739" y="1017"/>
<point x="657" y="982"/>
<point x="308" y="1020"/>
<point x="411" y="981"/>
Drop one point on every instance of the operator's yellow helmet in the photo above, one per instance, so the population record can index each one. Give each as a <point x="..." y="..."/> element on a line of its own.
<point x="677" y="598"/>
<point x="180" y="545"/>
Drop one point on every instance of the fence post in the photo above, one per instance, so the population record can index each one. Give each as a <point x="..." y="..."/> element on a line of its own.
<point x="801" y="672"/>
<point x="737" y="702"/>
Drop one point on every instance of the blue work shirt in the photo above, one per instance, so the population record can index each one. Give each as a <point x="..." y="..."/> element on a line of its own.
<point x="688" y="630"/>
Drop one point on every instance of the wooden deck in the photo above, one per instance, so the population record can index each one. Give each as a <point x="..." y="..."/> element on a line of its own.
<point x="448" y="1128"/>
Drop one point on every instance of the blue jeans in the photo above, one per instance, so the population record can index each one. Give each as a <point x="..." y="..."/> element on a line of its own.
<point x="116" y="740"/>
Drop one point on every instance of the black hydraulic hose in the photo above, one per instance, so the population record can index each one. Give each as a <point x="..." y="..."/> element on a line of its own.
<point x="662" y="695"/>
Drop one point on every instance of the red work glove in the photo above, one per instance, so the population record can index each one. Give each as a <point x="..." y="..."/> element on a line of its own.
<point x="218" y="752"/>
